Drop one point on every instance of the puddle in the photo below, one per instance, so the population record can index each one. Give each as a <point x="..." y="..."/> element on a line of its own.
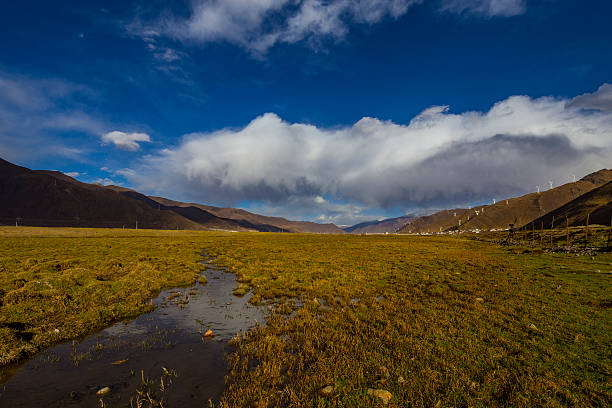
<point x="166" y="343"/>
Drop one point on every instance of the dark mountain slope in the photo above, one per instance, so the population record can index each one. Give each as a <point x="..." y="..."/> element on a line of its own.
<point x="597" y="203"/>
<point x="47" y="198"/>
<point x="436" y="222"/>
<point x="256" y="221"/>
<point x="191" y="212"/>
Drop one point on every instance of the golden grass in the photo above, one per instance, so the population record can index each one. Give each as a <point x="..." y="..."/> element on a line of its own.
<point x="463" y="323"/>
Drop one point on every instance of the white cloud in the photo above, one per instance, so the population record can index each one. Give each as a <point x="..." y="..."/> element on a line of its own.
<point x="488" y="8"/>
<point x="126" y="172"/>
<point x="104" y="181"/>
<point x="599" y="100"/>
<point x="73" y="174"/>
<point x="260" y="24"/>
<point x="438" y="159"/>
<point x="34" y="111"/>
<point x="125" y="141"/>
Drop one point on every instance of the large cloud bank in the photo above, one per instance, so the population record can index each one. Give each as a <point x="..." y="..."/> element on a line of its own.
<point x="438" y="159"/>
<point x="260" y="24"/>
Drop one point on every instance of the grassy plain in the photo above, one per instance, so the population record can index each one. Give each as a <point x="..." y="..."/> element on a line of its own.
<point x="436" y="321"/>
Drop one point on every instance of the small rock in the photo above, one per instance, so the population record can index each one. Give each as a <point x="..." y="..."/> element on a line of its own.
<point x="384" y="395"/>
<point x="209" y="333"/>
<point x="385" y="372"/>
<point x="400" y="380"/>
<point x="327" y="390"/>
<point x="56" y="330"/>
<point x="533" y="326"/>
<point x="479" y="299"/>
<point x="103" y="391"/>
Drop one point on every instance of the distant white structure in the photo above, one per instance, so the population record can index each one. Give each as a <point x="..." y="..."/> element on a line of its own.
<point x="550" y="183"/>
<point x="494" y="201"/>
<point x="538" y="187"/>
<point x="574" y="178"/>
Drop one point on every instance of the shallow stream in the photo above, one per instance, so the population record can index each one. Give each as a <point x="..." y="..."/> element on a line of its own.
<point x="166" y="344"/>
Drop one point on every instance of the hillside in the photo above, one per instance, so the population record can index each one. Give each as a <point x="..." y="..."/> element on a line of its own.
<point x="597" y="203"/>
<point x="436" y="222"/>
<point x="389" y="225"/>
<point x="258" y="222"/>
<point x="518" y="211"/>
<point x="522" y="210"/>
<point x="51" y="198"/>
<point x="48" y="198"/>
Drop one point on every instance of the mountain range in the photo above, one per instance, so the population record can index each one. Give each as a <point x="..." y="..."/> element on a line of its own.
<point x="51" y="198"/>
<point x="389" y="225"/>
<point x="521" y="211"/>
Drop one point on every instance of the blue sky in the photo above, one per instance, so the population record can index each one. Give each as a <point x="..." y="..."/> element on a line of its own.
<point x="336" y="111"/>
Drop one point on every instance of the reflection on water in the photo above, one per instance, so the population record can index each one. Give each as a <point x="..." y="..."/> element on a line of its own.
<point x="123" y="356"/>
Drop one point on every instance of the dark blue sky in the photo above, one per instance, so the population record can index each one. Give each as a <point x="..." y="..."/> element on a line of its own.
<point x="97" y="67"/>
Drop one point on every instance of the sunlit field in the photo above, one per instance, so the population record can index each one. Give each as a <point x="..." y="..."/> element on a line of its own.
<point x="427" y="321"/>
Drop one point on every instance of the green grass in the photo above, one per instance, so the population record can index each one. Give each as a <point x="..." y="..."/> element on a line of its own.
<point x="465" y="323"/>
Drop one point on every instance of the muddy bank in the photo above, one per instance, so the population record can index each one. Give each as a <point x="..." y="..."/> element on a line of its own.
<point x="162" y="354"/>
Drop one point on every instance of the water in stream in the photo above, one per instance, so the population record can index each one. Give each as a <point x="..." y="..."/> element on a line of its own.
<point x="167" y="342"/>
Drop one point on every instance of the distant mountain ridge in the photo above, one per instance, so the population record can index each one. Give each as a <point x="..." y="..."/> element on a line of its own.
<point x="389" y="225"/>
<point x="518" y="211"/>
<point x="255" y="221"/>
<point x="51" y="198"/>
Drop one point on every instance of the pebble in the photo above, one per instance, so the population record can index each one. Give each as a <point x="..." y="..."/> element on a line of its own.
<point x="384" y="395"/>
<point x="533" y="326"/>
<point x="327" y="390"/>
<point x="479" y="299"/>
<point x="103" y="390"/>
<point x="385" y="372"/>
